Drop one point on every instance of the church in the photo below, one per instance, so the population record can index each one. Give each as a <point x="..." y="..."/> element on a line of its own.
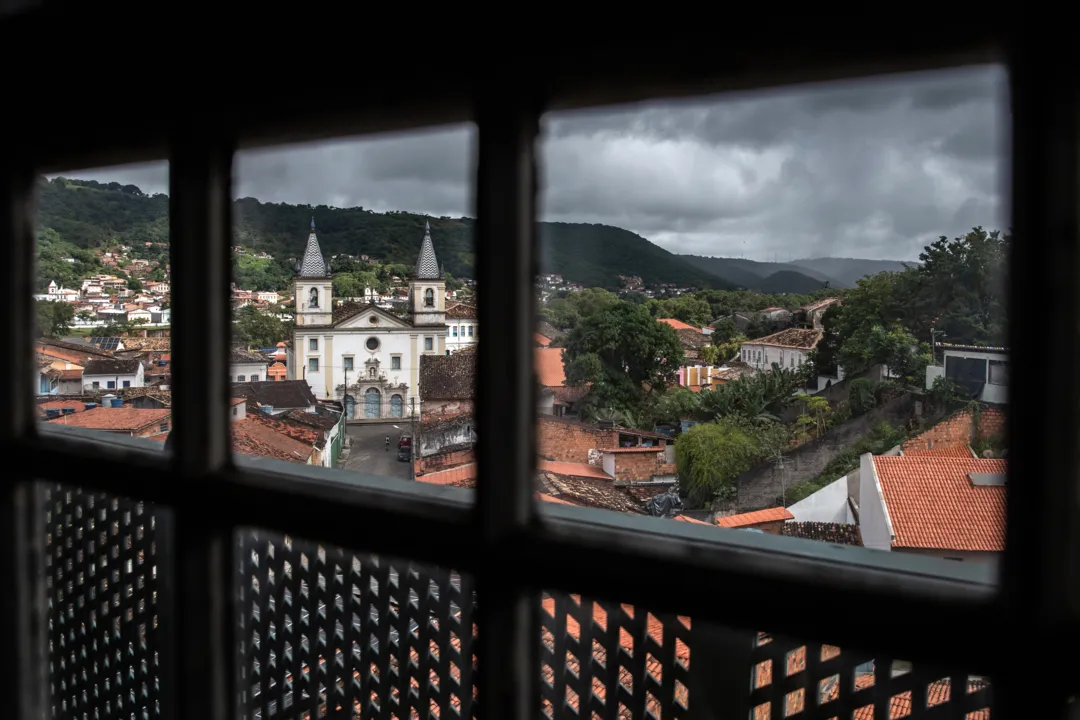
<point x="361" y="355"/>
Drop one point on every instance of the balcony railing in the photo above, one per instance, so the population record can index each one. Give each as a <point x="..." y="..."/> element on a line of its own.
<point x="325" y="632"/>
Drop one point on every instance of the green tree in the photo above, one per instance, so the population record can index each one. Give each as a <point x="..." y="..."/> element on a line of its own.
<point x="624" y="354"/>
<point x="710" y="456"/>
<point x="54" y="318"/>
<point x="566" y="312"/>
<point x="134" y="285"/>
<point x="257" y="329"/>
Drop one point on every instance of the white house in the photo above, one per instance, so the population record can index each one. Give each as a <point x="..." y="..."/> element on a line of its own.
<point x="939" y="505"/>
<point x="138" y="316"/>
<point x="267" y="296"/>
<point x="461" y="326"/>
<point x="113" y="374"/>
<point x="983" y="371"/>
<point x="245" y="366"/>
<point x="361" y="355"/>
<point x="787" y="348"/>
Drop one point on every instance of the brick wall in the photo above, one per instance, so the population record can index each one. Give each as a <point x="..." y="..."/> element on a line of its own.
<point x="443" y="461"/>
<point x="638" y="465"/>
<point x="570" y="441"/>
<point x="566" y="440"/>
<point x="958" y="430"/>
<point x="444" y="408"/>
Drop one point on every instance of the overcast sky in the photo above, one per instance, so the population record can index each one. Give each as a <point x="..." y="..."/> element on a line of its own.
<point x="867" y="169"/>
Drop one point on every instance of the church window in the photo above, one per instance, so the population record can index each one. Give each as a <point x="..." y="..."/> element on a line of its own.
<point x="429" y="298"/>
<point x="347" y="362"/>
<point x="428" y="343"/>
<point x="313" y="365"/>
<point x="395" y="362"/>
<point x="313" y="345"/>
<point x="372" y="343"/>
<point x="314" y="298"/>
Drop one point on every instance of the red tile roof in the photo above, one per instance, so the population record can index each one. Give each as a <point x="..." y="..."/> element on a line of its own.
<point x="932" y="503"/>
<point x="791" y="338"/>
<point x="541" y="340"/>
<point x="549" y="366"/>
<point x="252" y="438"/>
<point x="460" y="476"/>
<point x="678" y="324"/>
<point x="573" y="469"/>
<point x="776" y="514"/>
<point x="687" y="519"/>
<point x="123" y="419"/>
<point x="76" y="405"/>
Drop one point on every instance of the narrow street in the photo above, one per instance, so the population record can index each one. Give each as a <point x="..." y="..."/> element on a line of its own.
<point x="368" y="453"/>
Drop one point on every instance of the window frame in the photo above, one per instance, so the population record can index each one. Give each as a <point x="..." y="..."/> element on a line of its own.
<point x="896" y="605"/>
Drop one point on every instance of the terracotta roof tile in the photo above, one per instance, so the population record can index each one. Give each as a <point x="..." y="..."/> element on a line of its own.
<point x="460" y="476"/>
<point x="460" y="311"/>
<point x="251" y="438"/>
<point x="448" y="377"/>
<point x="123" y="419"/>
<point x="953" y="452"/>
<point x="549" y="366"/>
<point x="541" y="340"/>
<point x="932" y="503"/>
<point x="688" y="519"/>
<point x="76" y="405"/>
<point x="797" y="338"/>
<point x="575" y="469"/>
<point x="111" y="366"/>
<point x="678" y="324"/>
<point x="824" y="302"/>
<point x="587" y="491"/>
<point x="754" y="518"/>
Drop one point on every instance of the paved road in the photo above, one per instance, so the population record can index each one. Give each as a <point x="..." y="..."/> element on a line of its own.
<point x="368" y="454"/>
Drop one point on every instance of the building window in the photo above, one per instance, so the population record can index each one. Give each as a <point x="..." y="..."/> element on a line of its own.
<point x="165" y="427"/>
<point x="127" y="383"/>
<point x="428" y="343"/>
<point x="254" y="378"/>
<point x="395" y="362"/>
<point x="111" y="385"/>
<point x="240" y="378"/>
<point x="313" y="365"/>
<point x="448" y="332"/>
<point x="346" y="362"/>
<point x="999" y="372"/>
<point x="96" y="385"/>
<point x="372" y="344"/>
<point x="455" y="330"/>
<point x="470" y="330"/>
<point x="313" y="345"/>
<point x="429" y="298"/>
<point x="313" y="298"/>
<point x="235" y="412"/>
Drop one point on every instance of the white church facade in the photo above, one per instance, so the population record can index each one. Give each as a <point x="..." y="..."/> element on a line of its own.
<point x="360" y="354"/>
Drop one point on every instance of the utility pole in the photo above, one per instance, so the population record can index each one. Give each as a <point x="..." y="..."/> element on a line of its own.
<point x="414" y="440"/>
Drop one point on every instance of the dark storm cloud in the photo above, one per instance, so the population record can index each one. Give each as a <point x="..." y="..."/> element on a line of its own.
<point x="864" y="169"/>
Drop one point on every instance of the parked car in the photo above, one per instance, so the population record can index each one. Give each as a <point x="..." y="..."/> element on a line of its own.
<point x="404" y="441"/>
<point x="404" y="454"/>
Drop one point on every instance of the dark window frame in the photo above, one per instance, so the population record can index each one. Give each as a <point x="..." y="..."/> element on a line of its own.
<point x="896" y="605"/>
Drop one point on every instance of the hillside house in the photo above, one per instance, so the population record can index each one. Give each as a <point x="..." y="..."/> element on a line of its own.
<point x="113" y="374"/>
<point x="788" y="348"/>
<point x="983" y="372"/>
<point x="811" y="315"/>
<point x="943" y="505"/>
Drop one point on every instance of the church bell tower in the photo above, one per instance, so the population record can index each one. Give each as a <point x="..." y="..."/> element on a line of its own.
<point x="312" y="287"/>
<point x="427" y="289"/>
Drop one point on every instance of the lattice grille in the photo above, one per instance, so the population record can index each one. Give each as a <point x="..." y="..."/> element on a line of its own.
<point x="101" y="583"/>
<point x="820" y="681"/>
<point x="324" y="632"/>
<point x="610" y="660"/>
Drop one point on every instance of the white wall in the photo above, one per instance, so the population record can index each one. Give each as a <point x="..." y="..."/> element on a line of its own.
<point x="829" y="504"/>
<point x="763" y="357"/>
<point x="335" y="344"/>
<point x="609" y="464"/>
<point x="874" y="524"/>
<point x="998" y="394"/>
<point x="462" y="339"/>
<point x="134" y="379"/>
<point x="247" y="370"/>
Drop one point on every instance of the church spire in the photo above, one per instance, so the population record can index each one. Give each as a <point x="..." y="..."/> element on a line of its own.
<point x="427" y="266"/>
<point x="313" y="264"/>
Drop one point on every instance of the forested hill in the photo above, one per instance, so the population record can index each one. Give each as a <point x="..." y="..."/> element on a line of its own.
<point x="89" y="214"/>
